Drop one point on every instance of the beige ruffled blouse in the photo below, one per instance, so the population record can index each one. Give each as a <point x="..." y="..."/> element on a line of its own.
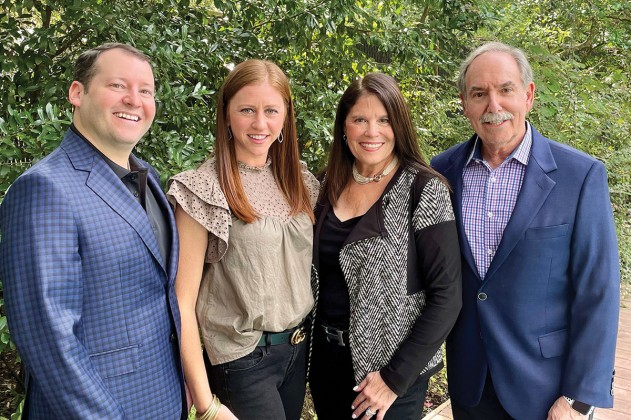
<point x="256" y="276"/>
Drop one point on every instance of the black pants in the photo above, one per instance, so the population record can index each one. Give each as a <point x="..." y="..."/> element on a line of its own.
<point x="489" y="407"/>
<point x="267" y="384"/>
<point x="331" y="382"/>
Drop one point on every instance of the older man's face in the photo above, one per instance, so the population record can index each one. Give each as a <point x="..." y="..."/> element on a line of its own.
<point x="496" y="102"/>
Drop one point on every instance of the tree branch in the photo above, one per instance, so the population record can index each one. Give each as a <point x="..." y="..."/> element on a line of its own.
<point x="425" y="13"/>
<point x="620" y="18"/>
<point x="70" y="41"/>
<point x="45" y="12"/>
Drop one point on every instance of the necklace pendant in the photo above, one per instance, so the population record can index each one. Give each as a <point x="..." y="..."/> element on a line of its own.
<point x="362" y="180"/>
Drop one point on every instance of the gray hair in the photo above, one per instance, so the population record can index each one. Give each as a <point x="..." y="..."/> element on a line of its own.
<point x="520" y="58"/>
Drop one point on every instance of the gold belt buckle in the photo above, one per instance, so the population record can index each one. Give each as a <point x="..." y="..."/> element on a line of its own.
<point x="298" y="336"/>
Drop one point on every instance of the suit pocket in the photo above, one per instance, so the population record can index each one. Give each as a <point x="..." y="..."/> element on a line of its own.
<point x="115" y="362"/>
<point x="547" y="232"/>
<point x="553" y="344"/>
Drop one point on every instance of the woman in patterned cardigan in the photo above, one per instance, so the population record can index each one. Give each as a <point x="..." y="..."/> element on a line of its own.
<point x="387" y="262"/>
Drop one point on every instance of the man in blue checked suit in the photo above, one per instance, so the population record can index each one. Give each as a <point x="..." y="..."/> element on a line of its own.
<point x="88" y="257"/>
<point x="536" y="336"/>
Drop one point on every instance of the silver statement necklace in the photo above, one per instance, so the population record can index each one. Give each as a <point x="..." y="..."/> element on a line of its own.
<point x="360" y="179"/>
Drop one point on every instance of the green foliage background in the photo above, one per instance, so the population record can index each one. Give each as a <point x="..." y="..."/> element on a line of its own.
<point x="579" y="50"/>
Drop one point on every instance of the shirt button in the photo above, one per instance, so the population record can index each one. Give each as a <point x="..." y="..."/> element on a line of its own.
<point x="482" y="296"/>
<point x="493" y="179"/>
<point x="490" y="214"/>
<point x="489" y="251"/>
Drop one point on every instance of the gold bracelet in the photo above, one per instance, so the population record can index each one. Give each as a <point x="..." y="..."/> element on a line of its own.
<point x="214" y="408"/>
<point x="212" y="411"/>
<point x="201" y="416"/>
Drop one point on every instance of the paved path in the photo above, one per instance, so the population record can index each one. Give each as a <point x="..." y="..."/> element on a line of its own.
<point x="622" y="383"/>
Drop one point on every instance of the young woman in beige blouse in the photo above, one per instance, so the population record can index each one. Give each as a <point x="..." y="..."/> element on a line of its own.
<point x="245" y="226"/>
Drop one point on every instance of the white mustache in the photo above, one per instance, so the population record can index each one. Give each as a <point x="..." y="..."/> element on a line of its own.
<point x="496" y="118"/>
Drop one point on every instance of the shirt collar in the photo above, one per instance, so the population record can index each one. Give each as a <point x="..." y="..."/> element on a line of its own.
<point x="521" y="152"/>
<point x="120" y="171"/>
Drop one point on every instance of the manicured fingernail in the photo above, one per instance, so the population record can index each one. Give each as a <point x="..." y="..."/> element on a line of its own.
<point x="354" y="416"/>
<point x="352" y="407"/>
<point x="355" y="388"/>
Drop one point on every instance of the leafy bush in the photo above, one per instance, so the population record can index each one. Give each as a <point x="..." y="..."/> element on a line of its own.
<point x="580" y="52"/>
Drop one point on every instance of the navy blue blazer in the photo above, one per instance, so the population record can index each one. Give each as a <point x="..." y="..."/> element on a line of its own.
<point x="90" y="301"/>
<point x="544" y="320"/>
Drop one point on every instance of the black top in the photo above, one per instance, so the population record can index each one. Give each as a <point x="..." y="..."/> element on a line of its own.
<point x="334" y="304"/>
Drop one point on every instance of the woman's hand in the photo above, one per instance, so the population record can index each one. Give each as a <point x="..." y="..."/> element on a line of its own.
<point x="375" y="397"/>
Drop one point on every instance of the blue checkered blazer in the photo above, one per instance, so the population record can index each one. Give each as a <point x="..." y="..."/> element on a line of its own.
<point x="89" y="300"/>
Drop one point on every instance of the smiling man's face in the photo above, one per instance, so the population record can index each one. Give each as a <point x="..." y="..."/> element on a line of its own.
<point x="117" y="107"/>
<point x="496" y="101"/>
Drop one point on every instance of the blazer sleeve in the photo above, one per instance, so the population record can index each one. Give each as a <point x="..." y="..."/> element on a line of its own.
<point x="43" y="291"/>
<point x="439" y="272"/>
<point x="595" y="295"/>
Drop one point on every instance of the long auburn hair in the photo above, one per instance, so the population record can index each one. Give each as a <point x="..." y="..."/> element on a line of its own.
<point x="406" y="148"/>
<point x="285" y="158"/>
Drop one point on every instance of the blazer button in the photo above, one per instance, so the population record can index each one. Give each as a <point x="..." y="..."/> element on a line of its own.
<point x="173" y="338"/>
<point x="482" y="296"/>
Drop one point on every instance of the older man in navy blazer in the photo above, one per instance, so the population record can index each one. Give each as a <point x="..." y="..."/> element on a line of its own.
<point x="88" y="258"/>
<point x="537" y="333"/>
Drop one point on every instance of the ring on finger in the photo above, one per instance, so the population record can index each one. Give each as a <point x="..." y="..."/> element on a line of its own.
<point x="370" y="413"/>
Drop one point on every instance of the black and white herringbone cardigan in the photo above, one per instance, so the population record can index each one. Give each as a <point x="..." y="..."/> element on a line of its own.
<point x="401" y="264"/>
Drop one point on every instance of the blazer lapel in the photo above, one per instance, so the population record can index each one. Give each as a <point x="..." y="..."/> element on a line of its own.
<point x="156" y="188"/>
<point x="118" y="197"/>
<point x="102" y="180"/>
<point x="454" y="174"/>
<point x="534" y="191"/>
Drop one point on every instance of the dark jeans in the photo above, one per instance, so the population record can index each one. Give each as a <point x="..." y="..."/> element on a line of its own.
<point x="331" y="382"/>
<point x="268" y="383"/>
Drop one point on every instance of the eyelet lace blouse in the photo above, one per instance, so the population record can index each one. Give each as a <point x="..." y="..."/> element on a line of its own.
<point x="256" y="276"/>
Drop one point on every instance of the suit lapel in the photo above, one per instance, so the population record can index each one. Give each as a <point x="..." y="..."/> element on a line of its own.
<point x="104" y="183"/>
<point x="454" y="175"/>
<point x="156" y="188"/>
<point x="118" y="197"/>
<point x="534" y="191"/>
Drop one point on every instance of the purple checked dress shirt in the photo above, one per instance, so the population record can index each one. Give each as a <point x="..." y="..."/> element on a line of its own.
<point x="488" y="198"/>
